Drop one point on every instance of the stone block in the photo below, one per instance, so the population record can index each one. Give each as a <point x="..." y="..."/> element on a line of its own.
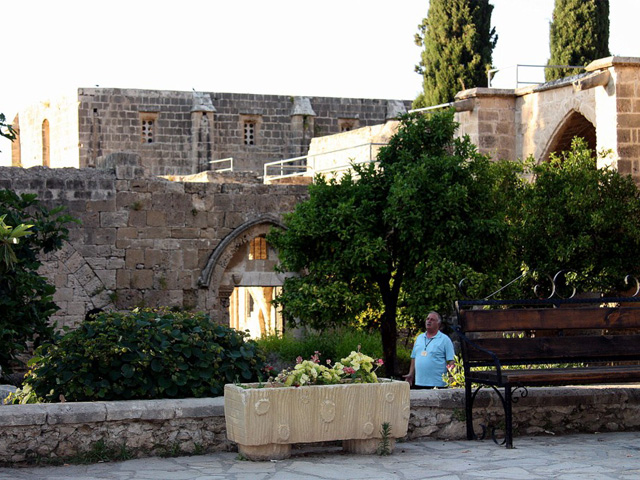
<point x="142" y="279"/>
<point x="628" y="120"/>
<point x="114" y="219"/>
<point x="123" y="279"/>
<point x="101" y="205"/>
<point x="74" y="263"/>
<point x="138" y="218"/>
<point x="134" y="257"/>
<point x="107" y="279"/>
<point x="156" y="218"/>
<point x="154" y="233"/>
<point x="76" y="412"/>
<point x="185" y="232"/>
<point x="154" y="258"/>
<point x="19" y="415"/>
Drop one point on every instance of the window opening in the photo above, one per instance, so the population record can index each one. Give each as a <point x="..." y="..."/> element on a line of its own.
<point x="258" y="249"/>
<point x="46" y="150"/>
<point x="249" y="133"/>
<point x="347" y="124"/>
<point x="148" y="127"/>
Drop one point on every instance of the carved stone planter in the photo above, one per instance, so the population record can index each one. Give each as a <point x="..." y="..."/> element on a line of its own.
<point x="266" y="421"/>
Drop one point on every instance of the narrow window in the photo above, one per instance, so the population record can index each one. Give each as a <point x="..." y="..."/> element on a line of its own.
<point x="249" y="133"/>
<point x="46" y="154"/>
<point x="148" y="122"/>
<point x="250" y="128"/>
<point x="347" y="124"/>
<point x="258" y="249"/>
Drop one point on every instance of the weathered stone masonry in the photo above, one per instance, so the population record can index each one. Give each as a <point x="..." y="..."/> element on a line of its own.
<point x="151" y="427"/>
<point x="145" y="241"/>
<point x="179" y="133"/>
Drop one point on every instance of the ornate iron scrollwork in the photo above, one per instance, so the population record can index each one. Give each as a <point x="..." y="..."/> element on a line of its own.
<point x="523" y="393"/>
<point x="626" y="282"/>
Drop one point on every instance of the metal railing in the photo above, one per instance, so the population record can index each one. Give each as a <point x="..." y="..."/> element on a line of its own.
<point x="306" y="165"/>
<point x="491" y="73"/>
<point x="215" y="163"/>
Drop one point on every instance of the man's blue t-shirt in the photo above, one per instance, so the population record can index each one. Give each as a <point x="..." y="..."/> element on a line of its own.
<point x="431" y="356"/>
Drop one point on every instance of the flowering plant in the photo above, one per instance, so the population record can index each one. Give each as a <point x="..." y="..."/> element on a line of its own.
<point x="357" y="367"/>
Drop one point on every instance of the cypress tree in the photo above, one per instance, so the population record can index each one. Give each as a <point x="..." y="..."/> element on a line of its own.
<point x="458" y="44"/>
<point x="579" y="34"/>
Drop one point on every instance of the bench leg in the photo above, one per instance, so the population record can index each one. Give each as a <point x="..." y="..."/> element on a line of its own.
<point x="508" y="424"/>
<point x="468" y="409"/>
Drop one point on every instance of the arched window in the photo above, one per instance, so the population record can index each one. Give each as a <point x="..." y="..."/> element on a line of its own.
<point x="574" y="125"/>
<point x="46" y="155"/>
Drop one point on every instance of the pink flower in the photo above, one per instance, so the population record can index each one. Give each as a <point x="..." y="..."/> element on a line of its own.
<point x="328" y="361"/>
<point x="298" y="359"/>
<point x="379" y="362"/>
<point x="349" y="370"/>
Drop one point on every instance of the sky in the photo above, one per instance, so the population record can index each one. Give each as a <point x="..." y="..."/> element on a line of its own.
<point x="333" y="48"/>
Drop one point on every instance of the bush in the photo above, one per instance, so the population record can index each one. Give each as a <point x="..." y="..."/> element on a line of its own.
<point x="335" y="344"/>
<point x="143" y="354"/>
<point x="26" y="297"/>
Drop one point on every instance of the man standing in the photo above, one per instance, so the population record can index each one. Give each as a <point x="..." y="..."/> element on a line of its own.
<point x="431" y="356"/>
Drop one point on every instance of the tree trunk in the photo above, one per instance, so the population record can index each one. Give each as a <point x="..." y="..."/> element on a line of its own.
<point x="389" y="334"/>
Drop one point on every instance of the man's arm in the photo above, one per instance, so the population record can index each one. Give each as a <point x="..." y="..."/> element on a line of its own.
<point x="410" y="377"/>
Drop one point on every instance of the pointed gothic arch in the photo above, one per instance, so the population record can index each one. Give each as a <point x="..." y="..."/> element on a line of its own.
<point x="574" y="124"/>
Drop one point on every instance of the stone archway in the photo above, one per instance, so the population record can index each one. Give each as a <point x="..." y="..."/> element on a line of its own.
<point x="573" y="125"/>
<point x="233" y="266"/>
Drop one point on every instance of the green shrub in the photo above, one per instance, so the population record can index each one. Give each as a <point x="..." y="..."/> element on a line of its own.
<point x="335" y="344"/>
<point x="26" y="297"/>
<point x="143" y="354"/>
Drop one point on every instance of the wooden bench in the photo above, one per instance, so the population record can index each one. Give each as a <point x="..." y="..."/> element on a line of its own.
<point x="599" y="338"/>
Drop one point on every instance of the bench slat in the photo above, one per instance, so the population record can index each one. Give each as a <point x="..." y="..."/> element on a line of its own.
<point x="557" y="349"/>
<point x="549" y="319"/>
<point x="562" y="376"/>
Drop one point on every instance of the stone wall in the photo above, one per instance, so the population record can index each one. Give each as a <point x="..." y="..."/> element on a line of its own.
<point x="152" y="427"/>
<point x="179" y="133"/>
<point x="145" y="241"/>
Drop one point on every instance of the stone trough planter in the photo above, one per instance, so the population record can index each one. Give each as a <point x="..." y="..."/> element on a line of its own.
<point x="265" y="421"/>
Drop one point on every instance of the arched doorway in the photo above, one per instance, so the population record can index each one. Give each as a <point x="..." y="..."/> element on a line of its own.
<point x="574" y="125"/>
<point x="242" y="281"/>
<point x="251" y="302"/>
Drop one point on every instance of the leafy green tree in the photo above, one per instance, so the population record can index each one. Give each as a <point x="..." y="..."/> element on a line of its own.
<point x="397" y="237"/>
<point x="458" y="45"/>
<point x="581" y="219"/>
<point x="26" y="298"/>
<point x="579" y="34"/>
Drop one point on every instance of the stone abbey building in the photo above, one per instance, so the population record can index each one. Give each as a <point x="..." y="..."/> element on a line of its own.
<point x="197" y="242"/>
<point x="181" y="133"/>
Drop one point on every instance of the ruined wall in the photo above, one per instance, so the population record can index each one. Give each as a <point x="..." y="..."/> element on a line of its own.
<point x="333" y="153"/>
<point x="487" y="116"/>
<point x="621" y="112"/>
<point x="145" y="241"/>
<point x="179" y="133"/>
<point x="601" y="105"/>
<point x="61" y="114"/>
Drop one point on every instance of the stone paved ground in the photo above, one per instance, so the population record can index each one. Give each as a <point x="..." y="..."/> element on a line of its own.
<point x="584" y="457"/>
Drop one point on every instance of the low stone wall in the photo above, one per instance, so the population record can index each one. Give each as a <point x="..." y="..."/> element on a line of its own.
<point x="157" y="427"/>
